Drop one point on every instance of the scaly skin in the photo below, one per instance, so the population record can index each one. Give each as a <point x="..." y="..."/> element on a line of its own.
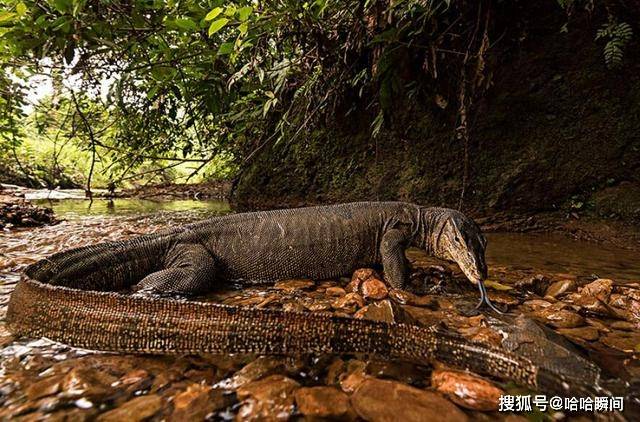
<point x="71" y="297"/>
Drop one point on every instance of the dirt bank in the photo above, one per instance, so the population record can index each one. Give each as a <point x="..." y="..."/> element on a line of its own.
<point x="557" y="133"/>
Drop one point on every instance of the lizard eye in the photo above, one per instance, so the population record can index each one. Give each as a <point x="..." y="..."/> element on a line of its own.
<point x="457" y="239"/>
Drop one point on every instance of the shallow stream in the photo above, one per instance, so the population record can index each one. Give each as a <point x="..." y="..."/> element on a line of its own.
<point x="41" y="379"/>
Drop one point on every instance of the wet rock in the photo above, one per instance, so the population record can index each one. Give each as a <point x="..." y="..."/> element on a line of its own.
<point x="197" y="402"/>
<point x="291" y="285"/>
<point x="271" y="397"/>
<point x="323" y="402"/>
<point x="600" y="288"/>
<point x="335" y="291"/>
<point x="354" y="376"/>
<point x="89" y="383"/>
<point x="624" y="326"/>
<point x="335" y="368"/>
<point x="382" y="311"/>
<point x="596" y="323"/>
<point x="46" y="387"/>
<point x="405" y="372"/>
<point x="349" y="303"/>
<point x="624" y="341"/>
<point x="318" y="305"/>
<point x="580" y="333"/>
<point x="259" y="368"/>
<point x="374" y="288"/>
<point x="137" y="409"/>
<point x="481" y="334"/>
<point x="407" y="298"/>
<point x="560" y="287"/>
<point x="591" y="304"/>
<point x="359" y="276"/>
<point x="467" y="390"/>
<point x="562" y="318"/>
<point x="378" y="400"/>
<point x="537" y="304"/>
<point x="537" y="284"/>
<point x="503" y="298"/>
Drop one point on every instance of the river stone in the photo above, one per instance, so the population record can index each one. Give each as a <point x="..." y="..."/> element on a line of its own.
<point x="291" y="285"/>
<point x="467" y="390"/>
<point x="269" y="398"/>
<point x="323" y="402"/>
<point x="404" y="297"/>
<point x="196" y="402"/>
<point x="622" y="340"/>
<point x="137" y="409"/>
<point x="335" y="291"/>
<point x="46" y="387"/>
<point x="381" y="311"/>
<point x="374" y="288"/>
<point x="259" y="368"/>
<point x="600" y="288"/>
<point x="581" y="333"/>
<point x="349" y="303"/>
<point x="560" y="287"/>
<point x="378" y="400"/>
<point x="562" y="318"/>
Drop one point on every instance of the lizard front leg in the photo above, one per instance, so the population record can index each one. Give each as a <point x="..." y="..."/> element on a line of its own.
<point x="394" y="261"/>
<point x="188" y="269"/>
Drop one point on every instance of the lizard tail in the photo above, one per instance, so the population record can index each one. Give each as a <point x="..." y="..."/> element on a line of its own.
<point x="110" y="321"/>
<point x="105" y="266"/>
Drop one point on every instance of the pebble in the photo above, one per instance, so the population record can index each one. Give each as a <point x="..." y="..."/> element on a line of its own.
<point x="600" y="288"/>
<point x="335" y="291"/>
<point x="196" y="402"/>
<point x="560" y="287"/>
<point x="378" y="311"/>
<point x="562" y="318"/>
<point x="291" y="285"/>
<point x="380" y="400"/>
<point x="407" y="298"/>
<point x="374" y="288"/>
<point x="348" y="303"/>
<point x="137" y="409"/>
<point x="582" y="333"/>
<point x="323" y="402"/>
<point x="268" y="398"/>
<point x="467" y="390"/>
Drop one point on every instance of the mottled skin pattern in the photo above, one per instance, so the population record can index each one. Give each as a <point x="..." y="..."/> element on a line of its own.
<point x="71" y="297"/>
<point x="316" y="242"/>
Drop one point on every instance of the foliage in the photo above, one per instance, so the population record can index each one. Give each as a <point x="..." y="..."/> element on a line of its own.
<point x="617" y="36"/>
<point x="185" y="81"/>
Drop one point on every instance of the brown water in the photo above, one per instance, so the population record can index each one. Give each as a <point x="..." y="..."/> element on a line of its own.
<point x="40" y="379"/>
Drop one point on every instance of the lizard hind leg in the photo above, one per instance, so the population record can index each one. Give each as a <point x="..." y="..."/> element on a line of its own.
<point x="188" y="269"/>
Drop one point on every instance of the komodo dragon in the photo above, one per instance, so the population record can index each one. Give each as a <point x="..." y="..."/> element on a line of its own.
<point x="75" y="296"/>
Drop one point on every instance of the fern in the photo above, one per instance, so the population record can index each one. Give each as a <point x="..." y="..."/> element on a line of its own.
<point x="617" y="36"/>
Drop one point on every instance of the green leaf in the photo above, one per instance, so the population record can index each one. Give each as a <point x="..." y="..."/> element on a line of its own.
<point x="217" y="25"/>
<point x="225" y="48"/>
<point x="244" y="13"/>
<point x="496" y="286"/>
<point x="213" y="14"/>
<point x="62" y="6"/>
<point x="243" y="28"/>
<point x="6" y="16"/>
<point x="186" y="24"/>
<point x="21" y="8"/>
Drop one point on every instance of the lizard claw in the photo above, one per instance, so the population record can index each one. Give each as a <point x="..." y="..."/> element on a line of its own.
<point x="484" y="299"/>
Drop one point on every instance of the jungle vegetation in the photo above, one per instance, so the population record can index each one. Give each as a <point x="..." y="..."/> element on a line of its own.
<point x="198" y="88"/>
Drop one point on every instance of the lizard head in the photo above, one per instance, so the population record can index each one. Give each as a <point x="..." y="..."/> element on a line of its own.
<point x="457" y="238"/>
